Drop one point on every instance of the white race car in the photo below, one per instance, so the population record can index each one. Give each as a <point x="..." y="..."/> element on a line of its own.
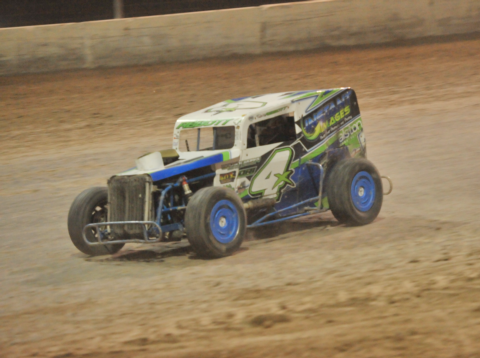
<point x="242" y="163"/>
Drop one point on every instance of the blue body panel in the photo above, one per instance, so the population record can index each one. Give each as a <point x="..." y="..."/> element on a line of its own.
<point x="183" y="168"/>
<point x="307" y="183"/>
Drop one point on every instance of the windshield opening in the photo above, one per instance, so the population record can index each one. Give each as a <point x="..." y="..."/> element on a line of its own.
<point x="207" y="138"/>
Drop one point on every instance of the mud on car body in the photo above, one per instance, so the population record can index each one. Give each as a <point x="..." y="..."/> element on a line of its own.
<point x="242" y="163"/>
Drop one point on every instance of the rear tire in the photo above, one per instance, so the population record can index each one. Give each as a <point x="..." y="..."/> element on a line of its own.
<point x="215" y="221"/>
<point x="89" y="207"/>
<point x="355" y="192"/>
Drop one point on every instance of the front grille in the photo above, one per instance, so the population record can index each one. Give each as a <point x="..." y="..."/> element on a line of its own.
<point x="129" y="199"/>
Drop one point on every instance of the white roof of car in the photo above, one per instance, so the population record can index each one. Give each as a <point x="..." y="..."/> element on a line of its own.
<point x="249" y="107"/>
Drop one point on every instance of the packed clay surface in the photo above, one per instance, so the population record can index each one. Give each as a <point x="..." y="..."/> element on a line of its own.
<point x="407" y="285"/>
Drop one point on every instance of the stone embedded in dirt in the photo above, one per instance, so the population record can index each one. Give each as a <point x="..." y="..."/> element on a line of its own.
<point x="169" y="338"/>
<point x="268" y="320"/>
<point x="143" y="341"/>
<point x="63" y="355"/>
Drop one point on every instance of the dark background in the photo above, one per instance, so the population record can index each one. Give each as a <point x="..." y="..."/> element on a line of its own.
<point x="40" y="12"/>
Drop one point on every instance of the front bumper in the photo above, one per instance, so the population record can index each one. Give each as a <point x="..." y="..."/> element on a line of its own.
<point x="104" y="237"/>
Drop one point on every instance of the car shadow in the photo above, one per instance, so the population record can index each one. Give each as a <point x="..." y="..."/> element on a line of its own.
<point x="149" y="253"/>
<point x="161" y="251"/>
<point x="317" y="221"/>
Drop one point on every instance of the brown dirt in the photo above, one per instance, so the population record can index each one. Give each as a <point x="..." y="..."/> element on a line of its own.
<point x="407" y="285"/>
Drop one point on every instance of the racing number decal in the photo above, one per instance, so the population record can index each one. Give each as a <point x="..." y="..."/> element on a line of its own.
<point x="274" y="175"/>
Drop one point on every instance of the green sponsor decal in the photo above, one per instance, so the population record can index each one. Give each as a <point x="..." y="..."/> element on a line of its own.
<point x="320" y="96"/>
<point x="321" y="148"/>
<point x="246" y="172"/>
<point x="226" y="156"/>
<point x="323" y="126"/>
<point x="352" y="136"/>
<point x="243" y="194"/>
<point x="325" y="204"/>
<point x="196" y="124"/>
<point x="248" y="162"/>
<point x="230" y="166"/>
<point x="297" y="94"/>
<point x="276" y="111"/>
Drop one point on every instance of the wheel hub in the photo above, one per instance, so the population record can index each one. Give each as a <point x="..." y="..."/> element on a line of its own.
<point x="361" y="191"/>
<point x="222" y="222"/>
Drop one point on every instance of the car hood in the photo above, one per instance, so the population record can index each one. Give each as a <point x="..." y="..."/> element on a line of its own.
<point x="192" y="161"/>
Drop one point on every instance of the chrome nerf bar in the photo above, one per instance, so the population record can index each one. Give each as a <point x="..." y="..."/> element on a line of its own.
<point x="101" y="241"/>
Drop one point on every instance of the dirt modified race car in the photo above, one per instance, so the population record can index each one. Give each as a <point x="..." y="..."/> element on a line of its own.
<point x="242" y="163"/>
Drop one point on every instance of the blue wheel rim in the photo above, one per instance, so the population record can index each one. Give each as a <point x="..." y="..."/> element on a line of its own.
<point x="224" y="221"/>
<point x="363" y="191"/>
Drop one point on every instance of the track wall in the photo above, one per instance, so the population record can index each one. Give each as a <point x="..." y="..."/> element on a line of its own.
<point x="255" y="30"/>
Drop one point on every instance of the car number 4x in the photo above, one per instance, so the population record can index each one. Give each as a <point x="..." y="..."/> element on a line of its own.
<point x="274" y="175"/>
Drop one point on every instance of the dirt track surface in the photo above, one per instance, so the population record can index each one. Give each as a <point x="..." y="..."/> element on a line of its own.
<point x="407" y="285"/>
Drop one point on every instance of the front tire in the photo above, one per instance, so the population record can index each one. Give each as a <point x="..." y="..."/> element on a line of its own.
<point x="216" y="222"/>
<point x="87" y="208"/>
<point x="355" y="192"/>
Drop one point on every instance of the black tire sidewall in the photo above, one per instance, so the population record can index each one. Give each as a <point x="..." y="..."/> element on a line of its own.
<point x="197" y="221"/>
<point x="80" y="214"/>
<point x="339" y="192"/>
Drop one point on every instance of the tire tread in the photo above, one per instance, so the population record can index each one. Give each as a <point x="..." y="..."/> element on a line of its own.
<point x="339" y="192"/>
<point x="79" y="216"/>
